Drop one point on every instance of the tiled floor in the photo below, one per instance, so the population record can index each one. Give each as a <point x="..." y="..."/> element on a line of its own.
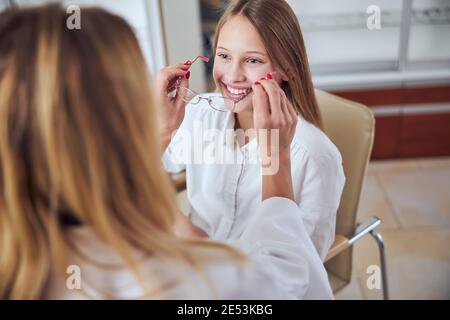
<point x="412" y="197"/>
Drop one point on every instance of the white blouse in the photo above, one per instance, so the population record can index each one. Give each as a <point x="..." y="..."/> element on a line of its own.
<point x="224" y="194"/>
<point x="282" y="264"/>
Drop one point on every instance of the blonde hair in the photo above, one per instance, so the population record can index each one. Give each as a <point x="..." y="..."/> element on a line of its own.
<point x="280" y="32"/>
<point x="78" y="135"/>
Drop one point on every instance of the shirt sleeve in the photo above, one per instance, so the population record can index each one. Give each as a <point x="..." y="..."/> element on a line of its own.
<point x="276" y="240"/>
<point x="318" y="196"/>
<point x="178" y="152"/>
<point x="172" y="158"/>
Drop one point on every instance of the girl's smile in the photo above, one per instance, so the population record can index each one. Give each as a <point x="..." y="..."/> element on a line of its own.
<point x="236" y="93"/>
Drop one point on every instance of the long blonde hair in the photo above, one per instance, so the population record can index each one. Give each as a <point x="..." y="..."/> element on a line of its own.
<point x="280" y="32"/>
<point x="78" y="135"/>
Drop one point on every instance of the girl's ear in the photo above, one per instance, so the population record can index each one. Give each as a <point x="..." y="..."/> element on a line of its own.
<point x="285" y="76"/>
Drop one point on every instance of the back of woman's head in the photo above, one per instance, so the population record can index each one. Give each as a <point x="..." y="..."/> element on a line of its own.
<point x="77" y="137"/>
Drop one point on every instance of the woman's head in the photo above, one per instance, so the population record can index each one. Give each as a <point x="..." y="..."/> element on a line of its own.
<point x="255" y="37"/>
<point x="77" y="135"/>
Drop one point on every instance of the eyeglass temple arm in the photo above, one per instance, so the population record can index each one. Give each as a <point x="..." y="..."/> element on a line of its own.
<point x="201" y="58"/>
<point x="190" y="63"/>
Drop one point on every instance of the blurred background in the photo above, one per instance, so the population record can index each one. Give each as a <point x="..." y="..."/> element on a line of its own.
<point x="400" y="70"/>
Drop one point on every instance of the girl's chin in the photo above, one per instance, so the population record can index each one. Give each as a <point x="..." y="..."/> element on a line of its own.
<point x="241" y="106"/>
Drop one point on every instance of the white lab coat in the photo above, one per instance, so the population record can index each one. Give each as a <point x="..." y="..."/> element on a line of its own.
<point x="282" y="264"/>
<point x="224" y="197"/>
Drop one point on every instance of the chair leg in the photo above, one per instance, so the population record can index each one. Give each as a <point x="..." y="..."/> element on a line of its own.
<point x="379" y="239"/>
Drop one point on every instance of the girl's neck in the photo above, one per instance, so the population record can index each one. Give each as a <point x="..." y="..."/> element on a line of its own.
<point x="244" y="121"/>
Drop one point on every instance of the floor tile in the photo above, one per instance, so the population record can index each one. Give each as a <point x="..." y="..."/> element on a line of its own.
<point x="386" y="166"/>
<point x="418" y="263"/>
<point x="420" y="198"/>
<point x="438" y="162"/>
<point x="374" y="203"/>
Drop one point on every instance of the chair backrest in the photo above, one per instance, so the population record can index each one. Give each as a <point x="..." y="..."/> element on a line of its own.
<point x="351" y="127"/>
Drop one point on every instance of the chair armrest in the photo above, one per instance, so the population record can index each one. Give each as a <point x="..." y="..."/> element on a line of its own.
<point x="340" y="244"/>
<point x="364" y="228"/>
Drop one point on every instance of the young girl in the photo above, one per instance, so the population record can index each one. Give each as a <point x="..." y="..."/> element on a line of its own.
<point x="86" y="209"/>
<point x="253" y="39"/>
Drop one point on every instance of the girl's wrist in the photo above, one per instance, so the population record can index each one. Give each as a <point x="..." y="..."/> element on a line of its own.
<point x="279" y="183"/>
<point x="166" y="137"/>
<point x="285" y="155"/>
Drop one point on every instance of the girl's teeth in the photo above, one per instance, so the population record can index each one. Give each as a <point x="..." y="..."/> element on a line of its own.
<point x="237" y="91"/>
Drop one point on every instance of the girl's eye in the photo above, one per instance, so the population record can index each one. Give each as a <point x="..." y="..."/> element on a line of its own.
<point x="253" y="61"/>
<point x="223" y="56"/>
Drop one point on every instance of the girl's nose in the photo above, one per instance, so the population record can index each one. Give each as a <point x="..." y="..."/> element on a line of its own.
<point x="235" y="74"/>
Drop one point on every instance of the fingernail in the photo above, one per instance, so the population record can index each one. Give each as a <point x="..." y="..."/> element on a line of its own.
<point x="257" y="82"/>
<point x="188" y="75"/>
<point x="269" y="76"/>
<point x="187" y="62"/>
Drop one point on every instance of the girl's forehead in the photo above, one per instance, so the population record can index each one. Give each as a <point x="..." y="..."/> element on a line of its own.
<point x="238" y="34"/>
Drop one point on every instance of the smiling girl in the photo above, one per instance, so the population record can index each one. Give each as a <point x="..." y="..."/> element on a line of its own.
<point x="257" y="42"/>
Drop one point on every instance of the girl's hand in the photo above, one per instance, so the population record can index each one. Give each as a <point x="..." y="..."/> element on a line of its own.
<point x="273" y="111"/>
<point x="170" y="110"/>
<point x="185" y="229"/>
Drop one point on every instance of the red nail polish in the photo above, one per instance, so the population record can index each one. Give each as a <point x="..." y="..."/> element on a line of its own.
<point x="188" y="75"/>
<point x="257" y="83"/>
<point x="187" y="62"/>
<point x="269" y="76"/>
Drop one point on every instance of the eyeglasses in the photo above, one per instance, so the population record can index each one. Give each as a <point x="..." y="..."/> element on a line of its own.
<point x="198" y="57"/>
<point x="216" y="101"/>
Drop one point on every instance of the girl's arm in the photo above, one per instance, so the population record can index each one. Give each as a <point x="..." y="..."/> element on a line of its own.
<point x="273" y="113"/>
<point x="280" y="183"/>
<point x="185" y="229"/>
<point x="275" y="238"/>
<point x="170" y="110"/>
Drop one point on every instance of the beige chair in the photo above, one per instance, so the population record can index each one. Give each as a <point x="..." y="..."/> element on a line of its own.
<point x="351" y="127"/>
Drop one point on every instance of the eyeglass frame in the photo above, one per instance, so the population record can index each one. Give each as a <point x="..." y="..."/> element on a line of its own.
<point x="174" y="92"/>
<point x="208" y="99"/>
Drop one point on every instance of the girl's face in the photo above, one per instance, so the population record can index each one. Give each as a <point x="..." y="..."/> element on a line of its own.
<point x="240" y="60"/>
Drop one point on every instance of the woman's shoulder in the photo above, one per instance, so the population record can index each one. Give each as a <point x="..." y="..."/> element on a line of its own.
<point x="229" y="278"/>
<point x="219" y="276"/>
